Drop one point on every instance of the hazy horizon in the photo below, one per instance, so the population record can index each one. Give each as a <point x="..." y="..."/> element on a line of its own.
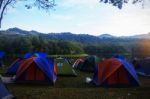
<point x="73" y="32"/>
<point x="81" y="17"/>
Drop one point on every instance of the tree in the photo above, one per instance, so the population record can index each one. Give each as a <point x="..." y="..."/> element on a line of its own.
<point x="120" y="3"/>
<point x="40" y="4"/>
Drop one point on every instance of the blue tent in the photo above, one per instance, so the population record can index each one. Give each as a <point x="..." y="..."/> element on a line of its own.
<point x="14" y="66"/>
<point x="119" y="56"/>
<point x="37" y="54"/>
<point x="4" y="93"/>
<point x="37" y="69"/>
<point x="41" y="54"/>
<point x="143" y="67"/>
<point x="28" y="54"/>
<point x="115" y="72"/>
<point x="2" y="54"/>
<point x="132" y="72"/>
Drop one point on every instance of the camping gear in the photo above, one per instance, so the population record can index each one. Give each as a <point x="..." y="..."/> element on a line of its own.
<point x="115" y="72"/>
<point x="37" y="70"/>
<point x="88" y="80"/>
<point x="63" y="67"/>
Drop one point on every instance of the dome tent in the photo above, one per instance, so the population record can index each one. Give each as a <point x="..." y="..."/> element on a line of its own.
<point x="64" y="68"/>
<point x="115" y="72"/>
<point x="37" y="70"/>
<point x="15" y="65"/>
<point x="89" y="64"/>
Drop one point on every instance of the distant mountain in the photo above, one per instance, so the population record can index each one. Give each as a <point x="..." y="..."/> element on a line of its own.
<point x="22" y="32"/>
<point x="141" y="36"/>
<point x="84" y="38"/>
<point x="18" y="31"/>
<point x="72" y="37"/>
<point x="106" y="36"/>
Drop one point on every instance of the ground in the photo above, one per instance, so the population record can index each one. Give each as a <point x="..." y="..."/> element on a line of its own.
<point x="76" y="88"/>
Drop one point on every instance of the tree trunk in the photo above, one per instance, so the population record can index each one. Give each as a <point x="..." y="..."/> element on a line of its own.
<point x="1" y="1"/>
<point x="2" y="9"/>
<point x="1" y="17"/>
<point x="0" y="22"/>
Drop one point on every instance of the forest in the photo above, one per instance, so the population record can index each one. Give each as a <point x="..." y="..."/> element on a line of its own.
<point x="17" y="44"/>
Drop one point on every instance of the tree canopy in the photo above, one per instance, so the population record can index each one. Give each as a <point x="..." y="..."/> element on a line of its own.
<point x="40" y="4"/>
<point x="120" y="3"/>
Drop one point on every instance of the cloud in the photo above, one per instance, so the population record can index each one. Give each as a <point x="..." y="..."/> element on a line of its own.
<point x="62" y="17"/>
<point x="83" y="16"/>
<point x="78" y="3"/>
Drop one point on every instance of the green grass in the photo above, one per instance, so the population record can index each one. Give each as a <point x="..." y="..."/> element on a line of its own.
<point x="76" y="88"/>
<point x="69" y="56"/>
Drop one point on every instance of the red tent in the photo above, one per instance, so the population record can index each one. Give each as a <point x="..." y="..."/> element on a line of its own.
<point x="36" y="69"/>
<point x="115" y="71"/>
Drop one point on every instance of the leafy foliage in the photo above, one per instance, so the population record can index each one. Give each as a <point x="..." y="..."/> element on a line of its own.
<point x="17" y="44"/>
<point x="120" y="3"/>
<point x="20" y="42"/>
<point x="40" y="4"/>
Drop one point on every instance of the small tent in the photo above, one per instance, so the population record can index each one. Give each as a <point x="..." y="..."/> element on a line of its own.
<point x="89" y="64"/>
<point x="36" y="69"/>
<point x="4" y="93"/>
<point x="15" y="65"/>
<point x="2" y="53"/>
<point x="143" y="67"/>
<point x="63" y="67"/>
<point x="115" y="72"/>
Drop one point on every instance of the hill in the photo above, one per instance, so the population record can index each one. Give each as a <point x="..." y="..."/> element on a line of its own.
<point x="68" y="36"/>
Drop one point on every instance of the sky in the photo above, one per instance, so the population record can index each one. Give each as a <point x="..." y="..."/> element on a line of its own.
<point x="81" y="17"/>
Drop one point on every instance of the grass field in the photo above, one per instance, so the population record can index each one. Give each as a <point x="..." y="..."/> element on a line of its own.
<point x="76" y="88"/>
